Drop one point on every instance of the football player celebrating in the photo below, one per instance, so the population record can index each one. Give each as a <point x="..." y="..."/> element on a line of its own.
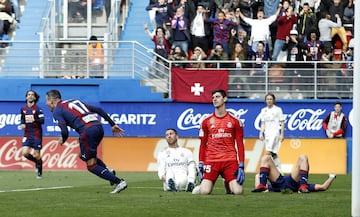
<point x="32" y="117"/>
<point x="81" y="117"/>
<point x="176" y="165"/>
<point x="221" y="149"/>
<point x="296" y="181"/>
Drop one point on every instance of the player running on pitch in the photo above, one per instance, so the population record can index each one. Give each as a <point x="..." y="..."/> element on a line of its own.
<point x="32" y="119"/>
<point x="81" y="117"/>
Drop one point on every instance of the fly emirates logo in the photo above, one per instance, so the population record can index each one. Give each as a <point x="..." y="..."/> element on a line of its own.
<point x="220" y="134"/>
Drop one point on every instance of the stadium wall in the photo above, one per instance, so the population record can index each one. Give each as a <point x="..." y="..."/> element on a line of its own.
<point x="144" y="124"/>
<point x="140" y="154"/>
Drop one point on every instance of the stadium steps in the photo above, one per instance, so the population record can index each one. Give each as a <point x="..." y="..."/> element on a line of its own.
<point x="26" y="53"/>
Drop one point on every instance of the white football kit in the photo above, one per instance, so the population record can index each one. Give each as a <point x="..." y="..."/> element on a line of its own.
<point x="272" y="118"/>
<point x="177" y="164"/>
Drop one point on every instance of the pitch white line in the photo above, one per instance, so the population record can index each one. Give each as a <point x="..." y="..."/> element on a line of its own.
<point x="35" y="189"/>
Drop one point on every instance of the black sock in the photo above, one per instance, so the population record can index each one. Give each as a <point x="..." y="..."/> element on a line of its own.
<point x="31" y="157"/>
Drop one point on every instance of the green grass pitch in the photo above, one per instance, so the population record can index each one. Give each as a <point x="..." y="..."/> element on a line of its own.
<point x="80" y="193"/>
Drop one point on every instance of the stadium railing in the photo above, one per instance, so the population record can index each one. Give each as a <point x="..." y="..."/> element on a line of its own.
<point x="130" y="59"/>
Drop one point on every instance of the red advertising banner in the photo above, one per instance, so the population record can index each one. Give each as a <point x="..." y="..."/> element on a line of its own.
<point x="197" y="85"/>
<point x="54" y="156"/>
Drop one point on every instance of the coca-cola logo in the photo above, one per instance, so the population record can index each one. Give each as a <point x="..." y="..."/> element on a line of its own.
<point x="53" y="155"/>
<point x="188" y="119"/>
<point x="301" y="119"/>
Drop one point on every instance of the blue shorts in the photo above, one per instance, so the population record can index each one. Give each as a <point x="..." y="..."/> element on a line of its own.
<point x="36" y="144"/>
<point x="286" y="182"/>
<point x="89" y="140"/>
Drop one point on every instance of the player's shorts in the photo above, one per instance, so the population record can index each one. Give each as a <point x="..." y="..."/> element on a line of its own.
<point x="272" y="143"/>
<point x="227" y="169"/>
<point x="287" y="182"/>
<point x="89" y="140"/>
<point x="36" y="144"/>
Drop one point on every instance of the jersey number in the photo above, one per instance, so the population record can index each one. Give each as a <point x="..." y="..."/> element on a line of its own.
<point x="207" y="168"/>
<point x="78" y="106"/>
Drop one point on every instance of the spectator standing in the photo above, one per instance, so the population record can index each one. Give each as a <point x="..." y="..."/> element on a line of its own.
<point x="325" y="28"/>
<point x="161" y="47"/>
<point x="284" y="25"/>
<point x="176" y="165"/>
<point x="180" y="34"/>
<point x="306" y="21"/>
<point x="7" y="20"/>
<point x="349" y="12"/>
<point x="163" y="12"/>
<point x="221" y="30"/>
<point x="199" y="31"/>
<point x="96" y="58"/>
<point x="152" y="13"/>
<point x="260" y="27"/>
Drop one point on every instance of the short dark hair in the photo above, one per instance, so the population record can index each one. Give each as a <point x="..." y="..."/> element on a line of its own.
<point x="93" y="38"/>
<point x="37" y="96"/>
<point x="338" y="103"/>
<point x="221" y="91"/>
<point x="176" y="133"/>
<point x="54" y="94"/>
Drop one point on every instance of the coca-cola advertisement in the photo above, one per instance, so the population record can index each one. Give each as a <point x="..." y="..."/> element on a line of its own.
<point x="54" y="156"/>
<point x="303" y="118"/>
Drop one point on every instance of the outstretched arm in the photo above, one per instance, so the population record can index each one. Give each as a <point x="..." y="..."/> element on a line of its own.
<point x="115" y="129"/>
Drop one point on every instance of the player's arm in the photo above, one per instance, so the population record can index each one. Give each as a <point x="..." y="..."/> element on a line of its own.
<point x="40" y="118"/>
<point x="116" y="130"/>
<point x="191" y="167"/>
<point x="161" y="166"/>
<point x="326" y="121"/>
<point x="62" y="126"/>
<point x="262" y="129"/>
<point x="239" y="136"/>
<point x="282" y="125"/>
<point x="203" y="135"/>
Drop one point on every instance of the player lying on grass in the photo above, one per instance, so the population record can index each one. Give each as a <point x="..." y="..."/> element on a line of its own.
<point x="296" y="181"/>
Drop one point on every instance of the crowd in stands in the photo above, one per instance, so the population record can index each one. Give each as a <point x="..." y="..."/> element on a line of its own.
<point x="9" y="18"/>
<point x="276" y="30"/>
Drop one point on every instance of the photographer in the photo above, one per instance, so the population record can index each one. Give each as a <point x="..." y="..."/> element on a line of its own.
<point x="178" y="54"/>
<point x="218" y="54"/>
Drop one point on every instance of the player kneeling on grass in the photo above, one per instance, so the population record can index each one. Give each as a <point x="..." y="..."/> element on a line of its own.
<point x="176" y="165"/>
<point x="296" y="181"/>
<point x="221" y="149"/>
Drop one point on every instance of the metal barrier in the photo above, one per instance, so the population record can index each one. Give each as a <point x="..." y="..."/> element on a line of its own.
<point x="70" y="59"/>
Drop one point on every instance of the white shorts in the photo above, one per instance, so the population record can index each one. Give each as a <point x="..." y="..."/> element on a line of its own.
<point x="272" y="143"/>
<point x="180" y="180"/>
